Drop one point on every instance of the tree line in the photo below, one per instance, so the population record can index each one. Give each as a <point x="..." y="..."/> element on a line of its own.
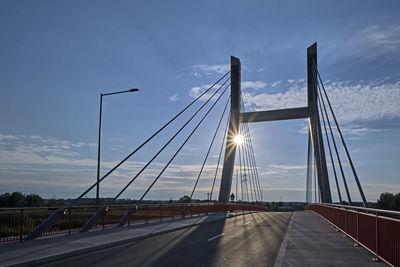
<point x="17" y="199"/>
<point x="389" y="201"/>
<point x="386" y="201"/>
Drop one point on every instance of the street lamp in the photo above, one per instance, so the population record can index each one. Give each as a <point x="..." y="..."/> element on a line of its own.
<point x="262" y="192"/>
<point x="98" y="146"/>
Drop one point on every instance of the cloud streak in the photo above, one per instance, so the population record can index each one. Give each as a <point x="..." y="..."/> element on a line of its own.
<point x="352" y="102"/>
<point x="202" y="69"/>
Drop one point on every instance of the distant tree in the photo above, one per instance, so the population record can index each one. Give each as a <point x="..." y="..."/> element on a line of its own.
<point x="52" y="202"/>
<point x="397" y="202"/>
<point x="4" y="200"/>
<point x="386" y="201"/>
<point x="184" y="199"/>
<point x="34" y="200"/>
<point x="17" y="199"/>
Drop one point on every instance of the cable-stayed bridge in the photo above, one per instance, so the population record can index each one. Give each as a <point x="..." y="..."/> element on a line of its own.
<point x="369" y="228"/>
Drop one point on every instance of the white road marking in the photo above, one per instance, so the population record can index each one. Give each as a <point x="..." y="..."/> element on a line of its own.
<point x="246" y="223"/>
<point x="212" y="238"/>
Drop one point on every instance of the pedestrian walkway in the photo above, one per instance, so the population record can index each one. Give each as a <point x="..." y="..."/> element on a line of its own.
<point x="311" y="241"/>
<point x="47" y="249"/>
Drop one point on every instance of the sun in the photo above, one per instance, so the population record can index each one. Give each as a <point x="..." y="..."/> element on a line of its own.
<point x="238" y="139"/>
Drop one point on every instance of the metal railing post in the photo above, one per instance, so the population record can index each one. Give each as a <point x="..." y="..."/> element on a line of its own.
<point x="102" y="220"/>
<point x="21" y="230"/>
<point x="376" y="236"/>
<point x="69" y="221"/>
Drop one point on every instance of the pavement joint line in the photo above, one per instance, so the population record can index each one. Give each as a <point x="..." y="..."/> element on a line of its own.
<point x="212" y="238"/>
<point x="282" y="250"/>
<point x="59" y="256"/>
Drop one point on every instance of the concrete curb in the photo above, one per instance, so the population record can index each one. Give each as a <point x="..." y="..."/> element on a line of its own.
<point x="77" y="252"/>
<point x="282" y="250"/>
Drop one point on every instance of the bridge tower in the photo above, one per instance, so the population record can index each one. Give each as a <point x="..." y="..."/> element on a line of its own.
<point x="310" y="112"/>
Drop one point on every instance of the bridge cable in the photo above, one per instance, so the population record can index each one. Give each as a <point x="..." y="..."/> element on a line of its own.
<point x="209" y="149"/>
<point x="102" y="211"/>
<point x="330" y="151"/>
<point x="183" y="144"/>
<point x="252" y="184"/>
<point x="343" y="142"/>
<point x="315" y="179"/>
<point x="247" y="133"/>
<point x="148" y="139"/>
<point x="336" y="152"/>
<point x="320" y="143"/>
<point x="169" y="141"/>
<point x="309" y="169"/>
<point x="246" y="148"/>
<point x="57" y="215"/>
<point x="334" y="145"/>
<point x="250" y="170"/>
<point x="252" y="160"/>
<point x="246" y="166"/>
<point x="237" y="176"/>
<point x="243" y="173"/>
<point x="219" y="157"/>
<point x="128" y="214"/>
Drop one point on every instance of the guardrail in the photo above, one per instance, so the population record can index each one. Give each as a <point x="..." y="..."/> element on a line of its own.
<point x="17" y="223"/>
<point x="376" y="230"/>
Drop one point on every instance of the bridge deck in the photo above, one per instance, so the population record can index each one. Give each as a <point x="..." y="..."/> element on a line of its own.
<point x="311" y="241"/>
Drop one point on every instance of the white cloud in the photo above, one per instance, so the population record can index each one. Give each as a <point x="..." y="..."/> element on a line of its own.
<point x="198" y="90"/>
<point x="351" y="102"/>
<point x="367" y="44"/>
<point x="173" y="98"/>
<point x="199" y="70"/>
<point x="41" y="165"/>
<point x="386" y="37"/>
<point x="253" y="85"/>
<point x="276" y="83"/>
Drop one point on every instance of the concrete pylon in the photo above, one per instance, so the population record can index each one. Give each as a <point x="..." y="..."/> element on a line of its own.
<point x="315" y="126"/>
<point x="230" y="150"/>
<point x="310" y="112"/>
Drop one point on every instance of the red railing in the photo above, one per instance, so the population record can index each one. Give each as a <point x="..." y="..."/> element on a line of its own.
<point x="376" y="230"/>
<point x="16" y="223"/>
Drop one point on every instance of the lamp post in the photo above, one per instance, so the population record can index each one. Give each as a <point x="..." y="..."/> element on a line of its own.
<point x="262" y="192"/>
<point x="98" y="146"/>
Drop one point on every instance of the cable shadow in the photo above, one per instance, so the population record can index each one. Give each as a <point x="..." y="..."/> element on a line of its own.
<point x="198" y="248"/>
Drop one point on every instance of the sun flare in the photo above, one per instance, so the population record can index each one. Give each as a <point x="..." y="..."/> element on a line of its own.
<point x="238" y="139"/>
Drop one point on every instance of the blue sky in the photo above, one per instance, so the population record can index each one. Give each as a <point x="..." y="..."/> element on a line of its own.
<point x="58" y="56"/>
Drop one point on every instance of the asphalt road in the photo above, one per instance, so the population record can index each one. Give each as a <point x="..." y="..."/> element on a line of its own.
<point x="246" y="240"/>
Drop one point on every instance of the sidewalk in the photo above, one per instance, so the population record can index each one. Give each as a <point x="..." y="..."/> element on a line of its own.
<point x="311" y="241"/>
<point x="47" y="249"/>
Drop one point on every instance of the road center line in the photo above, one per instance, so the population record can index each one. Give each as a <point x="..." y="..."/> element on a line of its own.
<point x="246" y="223"/>
<point x="212" y="238"/>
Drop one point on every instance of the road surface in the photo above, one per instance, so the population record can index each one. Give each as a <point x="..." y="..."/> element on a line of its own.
<point x="246" y="240"/>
